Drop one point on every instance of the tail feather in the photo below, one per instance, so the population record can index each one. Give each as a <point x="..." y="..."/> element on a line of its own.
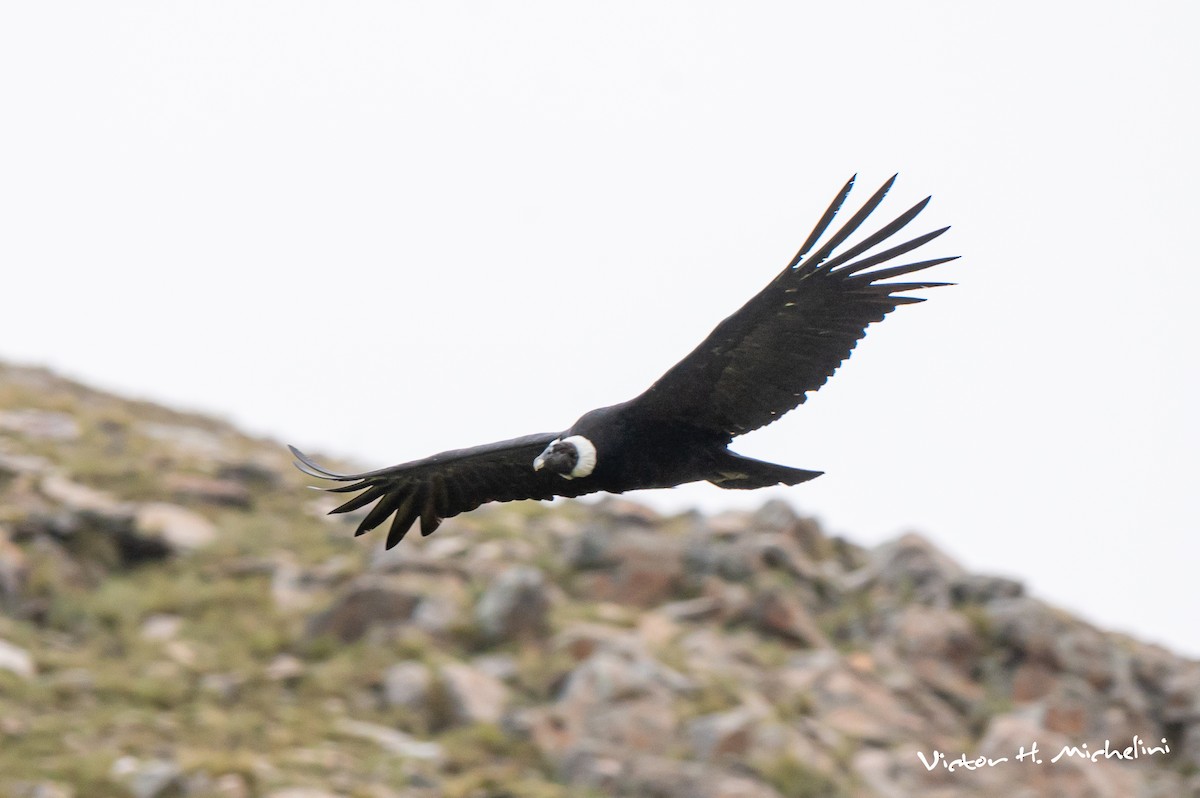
<point x="745" y="473"/>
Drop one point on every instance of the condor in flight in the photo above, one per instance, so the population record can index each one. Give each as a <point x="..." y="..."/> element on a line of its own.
<point x="754" y="367"/>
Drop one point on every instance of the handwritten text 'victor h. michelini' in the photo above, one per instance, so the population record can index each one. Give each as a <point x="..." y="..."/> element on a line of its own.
<point x="1033" y="755"/>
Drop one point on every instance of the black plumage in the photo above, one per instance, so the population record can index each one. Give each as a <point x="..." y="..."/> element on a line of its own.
<point x="754" y="367"/>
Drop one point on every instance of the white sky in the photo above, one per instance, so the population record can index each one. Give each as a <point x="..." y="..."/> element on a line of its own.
<point x="385" y="229"/>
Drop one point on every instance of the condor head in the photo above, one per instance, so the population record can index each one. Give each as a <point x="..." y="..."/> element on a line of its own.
<point x="570" y="458"/>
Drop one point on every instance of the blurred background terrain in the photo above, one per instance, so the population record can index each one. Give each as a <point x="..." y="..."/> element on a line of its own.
<point x="178" y="617"/>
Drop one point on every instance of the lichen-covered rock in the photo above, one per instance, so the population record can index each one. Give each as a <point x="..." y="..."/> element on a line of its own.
<point x="515" y="605"/>
<point x="475" y="696"/>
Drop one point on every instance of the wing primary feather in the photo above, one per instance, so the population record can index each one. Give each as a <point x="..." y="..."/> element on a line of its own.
<point x="379" y="513"/>
<point x="419" y="497"/>
<point x="361" y="500"/>
<point x="888" y="288"/>
<point x="310" y="471"/>
<point x="823" y="223"/>
<point x="399" y="528"/>
<point x="405" y="515"/>
<point x="306" y="464"/>
<point x="850" y="226"/>
<point x="908" y="268"/>
<point x="304" y="470"/>
<point x="430" y="512"/>
<point x="351" y="488"/>
<point x="890" y="229"/>
<point x="888" y="254"/>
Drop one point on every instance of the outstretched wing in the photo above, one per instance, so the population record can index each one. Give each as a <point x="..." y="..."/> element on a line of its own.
<point x="446" y="484"/>
<point x="789" y="339"/>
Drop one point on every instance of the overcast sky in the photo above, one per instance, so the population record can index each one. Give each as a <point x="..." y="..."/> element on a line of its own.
<point x="380" y="229"/>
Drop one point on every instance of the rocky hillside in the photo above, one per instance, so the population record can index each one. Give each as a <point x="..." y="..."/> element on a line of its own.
<point x="178" y="617"/>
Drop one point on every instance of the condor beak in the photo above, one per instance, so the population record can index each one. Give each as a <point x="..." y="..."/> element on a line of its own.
<point x="539" y="462"/>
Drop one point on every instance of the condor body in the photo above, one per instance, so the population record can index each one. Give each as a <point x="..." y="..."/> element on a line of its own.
<point x="754" y="367"/>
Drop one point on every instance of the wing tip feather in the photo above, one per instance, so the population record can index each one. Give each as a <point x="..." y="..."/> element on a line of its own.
<point x="310" y="467"/>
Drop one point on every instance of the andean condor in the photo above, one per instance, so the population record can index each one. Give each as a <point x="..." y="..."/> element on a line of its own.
<point x="754" y="367"/>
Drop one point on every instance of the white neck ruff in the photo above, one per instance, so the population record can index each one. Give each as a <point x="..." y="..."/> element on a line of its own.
<point x="587" y="456"/>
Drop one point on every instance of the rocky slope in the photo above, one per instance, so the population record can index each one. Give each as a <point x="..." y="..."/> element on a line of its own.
<point x="179" y="617"/>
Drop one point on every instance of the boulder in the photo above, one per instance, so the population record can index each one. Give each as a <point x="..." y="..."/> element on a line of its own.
<point x="1030" y="628"/>
<point x="608" y="771"/>
<point x="207" y="490"/>
<point x="21" y="465"/>
<point x="81" y="498"/>
<point x="149" y="778"/>
<point x="475" y="696"/>
<point x="514" y="606"/>
<point x="628" y="566"/>
<point x="722" y="734"/>
<point x="406" y="685"/>
<point x="285" y="668"/>
<point x="391" y="740"/>
<point x="981" y="589"/>
<point x="161" y="627"/>
<point x="186" y="439"/>
<point x="252" y="473"/>
<point x="366" y="602"/>
<point x="618" y="696"/>
<point x="16" y="660"/>
<point x="181" y="529"/>
<point x="909" y="569"/>
<point x="48" y="425"/>
<point x="777" y="612"/>
<point x="925" y="632"/>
